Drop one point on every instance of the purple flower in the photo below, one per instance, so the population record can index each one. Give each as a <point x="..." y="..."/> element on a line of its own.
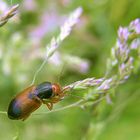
<point x="108" y="99"/>
<point x="135" y="44"/>
<point x="131" y="59"/>
<point x="123" y="51"/>
<point x="98" y="81"/>
<point x="123" y="34"/>
<point x="29" y="5"/>
<point x="3" y="6"/>
<point x="135" y="25"/>
<point x="69" y="23"/>
<point x="105" y="85"/>
<point x="83" y="67"/>
<point x="55" y="59"/>
<point x="122" y="67"/>
<point x="126" y="77"/>
<point x="125" y="69"/>
<point x="49" y="21"/>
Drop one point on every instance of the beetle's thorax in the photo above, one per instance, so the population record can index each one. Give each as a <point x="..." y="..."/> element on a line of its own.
<point x="44" y="90"/>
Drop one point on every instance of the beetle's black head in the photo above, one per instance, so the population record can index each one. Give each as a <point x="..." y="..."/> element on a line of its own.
<point x="44" y="90"/>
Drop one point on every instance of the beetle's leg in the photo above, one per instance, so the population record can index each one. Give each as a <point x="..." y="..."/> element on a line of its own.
<point x="55" y="100"/>
<point x="61" y="96"/>
<point x="48" y="104"/>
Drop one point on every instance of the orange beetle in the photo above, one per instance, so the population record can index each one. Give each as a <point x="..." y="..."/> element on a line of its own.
<point x="32" y="98"/>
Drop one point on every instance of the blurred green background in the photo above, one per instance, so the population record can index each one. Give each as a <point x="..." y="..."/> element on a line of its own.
<point x="22" y="48"/>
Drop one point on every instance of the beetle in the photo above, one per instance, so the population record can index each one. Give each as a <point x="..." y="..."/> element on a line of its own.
<point x="30" y="99"/>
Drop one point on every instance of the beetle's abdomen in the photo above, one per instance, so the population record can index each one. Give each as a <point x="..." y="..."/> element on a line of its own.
<point x="14" y="110"/>
<point x="23" y="104"/>
<point x="21" y="109"/>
